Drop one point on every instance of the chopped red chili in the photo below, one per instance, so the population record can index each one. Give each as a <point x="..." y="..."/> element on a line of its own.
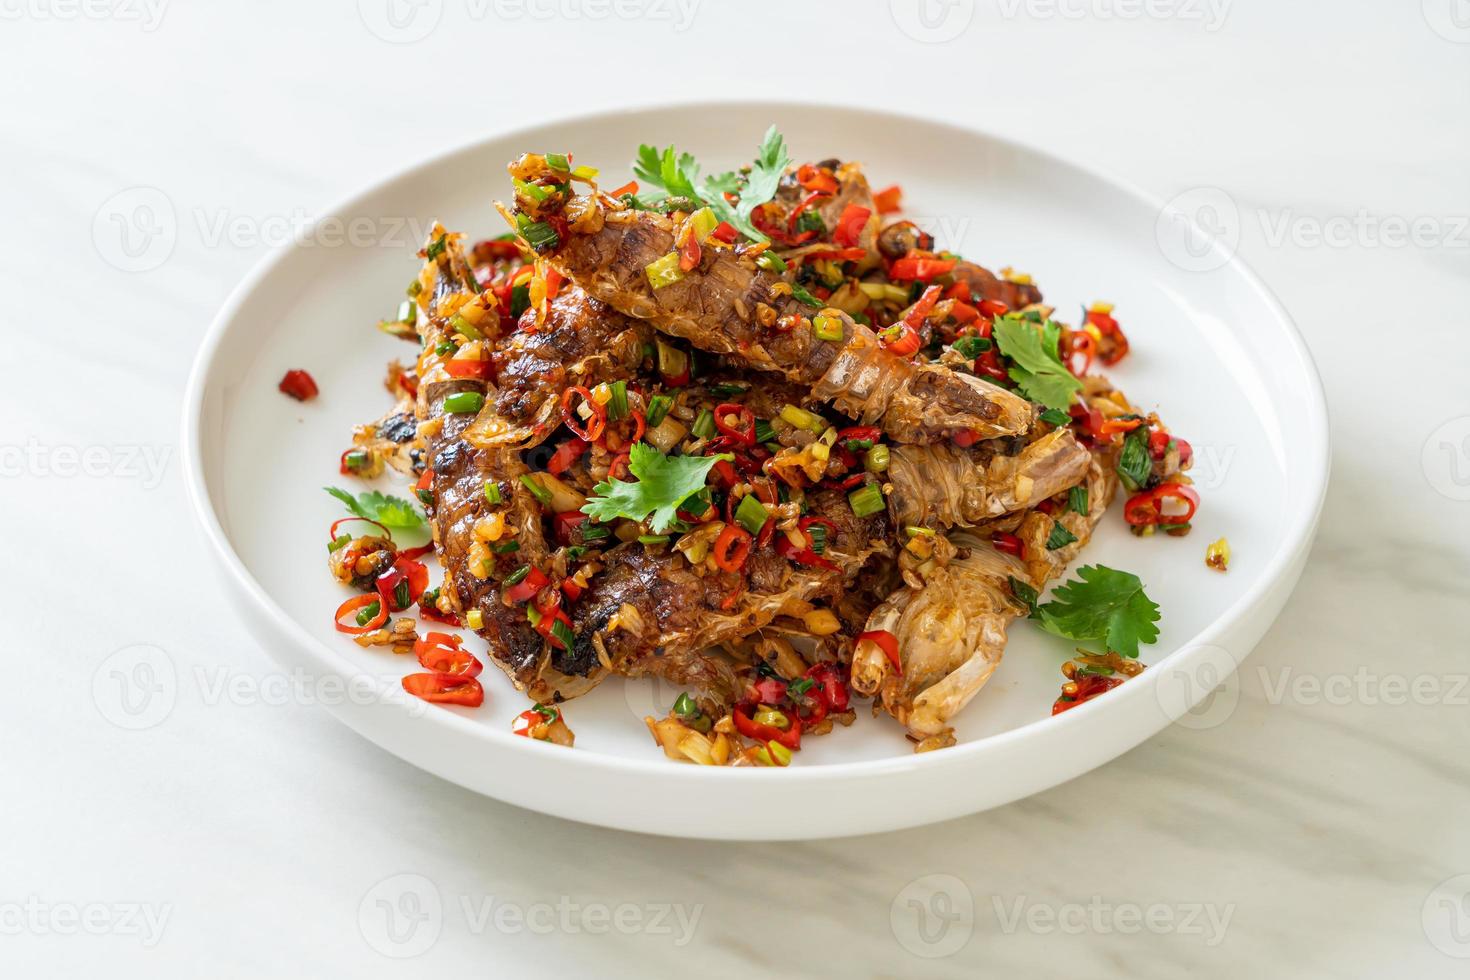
<point x="1147" y="508"/>
<point x="1008" y="543"/>
<point x="566" y="454"/>
<point x="886" y="642"/>
<point x="731" y="548"/>
<point x="888" y="200"/>
<point x="1083" y="689"/>
<point x="445" y="689"/>
<point x="463" y="367"/>
<point x="442" y="653"/>
<point x="742" y="430"/>
<point x="920" y="268"/>
<point x="299" y="385"/>
<point x="595" y="424"/>
<point x="355" y="605"/>
<point x="850" y="225"/>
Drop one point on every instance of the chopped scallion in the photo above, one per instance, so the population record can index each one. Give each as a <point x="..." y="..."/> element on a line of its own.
<point x="827" y="327"/>
<point x="658" y="407"/>
<point x="763" y="431"/>
<point x="464" y="402"/>
<point x="1077" y="500"/>
<point x="664" y="271"/>
<point x="704" y="425"/>
<point x="867" y="500"/>
<point x="751" y="514"/>
<point x="617" y="402"/>
<point x="653" y="540"/>
<point x="518" y="576"/>
<point x="971" y="347"/>
<point x="1060" y="538"/>
<point x="564" y="634"/>
<point x="542" y="495"/>
<point x="492" y="492"/>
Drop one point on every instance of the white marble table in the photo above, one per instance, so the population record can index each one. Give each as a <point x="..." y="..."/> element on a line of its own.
<point x="1305" y="834"/>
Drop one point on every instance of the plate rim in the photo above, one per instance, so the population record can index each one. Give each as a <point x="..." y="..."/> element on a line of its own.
<point x="1314" y="460"/>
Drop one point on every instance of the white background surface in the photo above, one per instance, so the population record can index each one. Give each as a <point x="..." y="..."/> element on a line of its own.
<point x="1292" y="830"/>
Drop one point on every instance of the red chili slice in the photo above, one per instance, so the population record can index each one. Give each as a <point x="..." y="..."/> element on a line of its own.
<point x="1088" y="687"/>
<point x="567" y="522"/>
<point x="886" y="642"/>
<point x="736" y="538"/>
<point x="595" y="425"/>
<point x="725" y="232"/>
<point x="920" y="268"/>
<point x="445" y="689"/>
<point x="743" y="431"/>
<point x="356" y="604"/>
<point x="888" y="200"/>
<point x="921" y="309"/>
<point x="442" y="653"/>
<point x="299" y="385"/>
<point x="463" y="367"/>
<point x="1008" y="543"/>
<point x="534" y="582"/>
<point x="900" y="340"/>
<point x="566" y="454"/>
<point x="750" y="728"/>
<point x="850" y="225"/>
<point x="1147" y="508"/>
<point x="816" y="179"/>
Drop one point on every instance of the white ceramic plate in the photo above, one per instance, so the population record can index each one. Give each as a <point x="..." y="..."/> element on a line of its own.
<point x="1212" y="351"/>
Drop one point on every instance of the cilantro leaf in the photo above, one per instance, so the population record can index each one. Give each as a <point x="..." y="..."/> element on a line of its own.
<point x="394" y="513"/>
<point x="664" y="482"/>
<point x="759" y="186"/>
<point x="1105" y="604"/>
<point x="674" y="175"/>
<point x="1037" y="369"/>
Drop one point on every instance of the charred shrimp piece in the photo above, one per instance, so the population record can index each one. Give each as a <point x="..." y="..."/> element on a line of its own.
<point x="950" y="633"/>
<point x="728" y="304"/>
<point x="466" y="524"/>
<point x="658" y="612"/>
<point x="949" y="623"/>
<point x="468" y="528"/>
<point x="945" y="485"/>
<point x="581" y="342"/>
